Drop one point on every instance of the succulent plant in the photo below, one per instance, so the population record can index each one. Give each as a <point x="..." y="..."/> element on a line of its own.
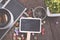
<point x="54" y="5"/>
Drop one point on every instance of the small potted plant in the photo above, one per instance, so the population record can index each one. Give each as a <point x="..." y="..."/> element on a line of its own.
<point x="53" y="7"/>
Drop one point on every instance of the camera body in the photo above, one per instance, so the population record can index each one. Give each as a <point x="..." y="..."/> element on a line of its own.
<point x="10" y="11"/>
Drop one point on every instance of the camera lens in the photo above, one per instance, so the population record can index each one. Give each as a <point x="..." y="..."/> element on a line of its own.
<point x="5" y="18"/>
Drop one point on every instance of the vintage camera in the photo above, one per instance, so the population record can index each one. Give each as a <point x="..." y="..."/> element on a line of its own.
<point x="10" y="12"/>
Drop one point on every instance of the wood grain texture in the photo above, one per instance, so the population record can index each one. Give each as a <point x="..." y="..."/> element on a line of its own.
<point x="32" y="3"/>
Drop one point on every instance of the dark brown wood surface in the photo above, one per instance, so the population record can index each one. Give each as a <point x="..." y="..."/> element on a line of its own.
<point x="32" y="3"/>
<point x="9" y="35"/>
<point x="49" y="35"/>
<point x="52" y="30"/>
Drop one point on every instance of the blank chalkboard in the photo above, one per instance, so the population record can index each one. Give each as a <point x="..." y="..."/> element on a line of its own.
<point x="32" y="25"/>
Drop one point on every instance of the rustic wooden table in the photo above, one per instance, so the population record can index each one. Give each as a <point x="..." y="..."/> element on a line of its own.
<point x="51" y="28"/>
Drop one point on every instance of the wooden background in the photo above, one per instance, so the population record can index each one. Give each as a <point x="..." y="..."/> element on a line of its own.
<point x="27" y="4"/>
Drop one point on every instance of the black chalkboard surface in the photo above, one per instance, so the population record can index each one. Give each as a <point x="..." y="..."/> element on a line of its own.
<point x="32" y="25"/>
